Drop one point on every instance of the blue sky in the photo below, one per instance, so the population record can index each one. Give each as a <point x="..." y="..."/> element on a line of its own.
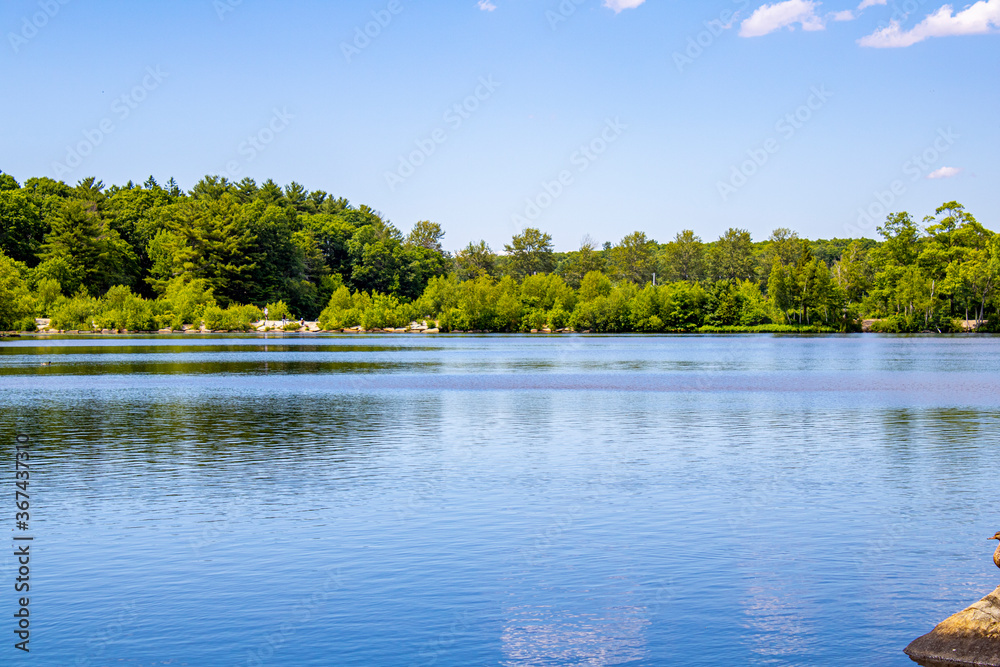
<point x="579" y="117"/>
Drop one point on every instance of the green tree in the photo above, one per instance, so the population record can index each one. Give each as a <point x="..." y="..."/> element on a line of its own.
<point x="474" y="260"/>
<point x="90" y="190"/>
<point x="634" y="259"/>
<point x="17" y="306"/>
<point x="979" y="275"/>
<point x="332" y="232"/>
<point x="529" y="252"/>
<point x="426" y="234"/>
<point x="783" y="247"/>
<point x="22" y="229"/>
<point x="594" y="285"/>
<point x="8" y="182"/>
<point x="900" y="249"/>
<point x="205" y="239"/>
<point x="95" y="255"/>
<point x="580" y="263"/>
<point x="853" y="273"/>
<point x="133" y="214"/>
<point x="782" y="289"/>
<point x="684" y="258"/>
<point x="375" y="262"/>
<point x="213" y="188"/>
<point x="732" y="256"/>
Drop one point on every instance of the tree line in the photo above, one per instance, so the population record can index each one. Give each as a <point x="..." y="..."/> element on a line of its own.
<point x="152" y="256"/>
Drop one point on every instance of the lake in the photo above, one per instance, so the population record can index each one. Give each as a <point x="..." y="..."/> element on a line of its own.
<point x="499" y="500"/>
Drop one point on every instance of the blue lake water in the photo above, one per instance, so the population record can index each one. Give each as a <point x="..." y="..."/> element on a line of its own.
<point x="499" y="500"/>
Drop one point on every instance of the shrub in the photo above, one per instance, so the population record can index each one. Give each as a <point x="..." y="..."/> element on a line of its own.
<point x="245" y="316"/>
<point x="337" y="314"/>
<point x="216" y="319"/>
<point x="121" y="309"/>
<point x="276" y="311"/>
<point x="47" y="293"/>
<point x="16" y="302"/>
<point x="234" y="318"/>
<point x="187" y="300"/>
<point x="59" y="270"/>
<point x="534" y="319"/>
<point x="682" y="306"/>
<point x="766" y="328"/>
<point x="558" y="317"/>
<point x="385" y="311"/>
<point x="25" y="324"/>
<point x="595" y="284"/>
<point x="605" y="314"/>
<point x="441" y="295"/>
<point x="370" y="311"/>
<point x="75" y="313"/>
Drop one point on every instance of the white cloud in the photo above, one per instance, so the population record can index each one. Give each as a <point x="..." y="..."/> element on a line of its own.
<point x="944" y="172"/>
<point x="978" y="19"/>
<point x="768" y="18"/>
<point x="850" y="15"/>
<point x="619" y="5"/>
<point x="486" y="5"/>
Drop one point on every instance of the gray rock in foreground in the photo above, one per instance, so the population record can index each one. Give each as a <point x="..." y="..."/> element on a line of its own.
<point x="970" y="637"/>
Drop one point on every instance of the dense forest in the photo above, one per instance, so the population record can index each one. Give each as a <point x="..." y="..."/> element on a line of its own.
<point x="151" y="257"/>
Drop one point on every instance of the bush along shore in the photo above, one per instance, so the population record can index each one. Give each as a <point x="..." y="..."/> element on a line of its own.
<point x="151" y="257"/>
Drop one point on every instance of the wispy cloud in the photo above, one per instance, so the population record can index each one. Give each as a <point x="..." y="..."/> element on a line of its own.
<point x="944" y="172"/>
<point x="768" y="18"/>
<point x="619" y="5"/>
<point x="979" y="19"/>
<point x="486" y="5"/>
<point x="846" y="15"/>
<point x="865" y="4"/>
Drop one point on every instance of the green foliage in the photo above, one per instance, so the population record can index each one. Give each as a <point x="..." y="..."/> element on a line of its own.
<point x="682" y="305"/>
<point x="93" y="254"/>
<point x="578" y="264"/>
<point x="234" y="318"/>
<point x="485" y="304"/>
<point x="476" y="259"/>
<point x="594" y="285"/>
<point x="369" y="311"/>
<point x="529" y="252"/>
<point x="47" y="293"/>
<point x="731" y="257"/>
<point x="683" y="259"/>
<point x="186" y="301"/>
<point x="278" y="311"/>
<point x="426" y="234"/>
<point x="8" y="182"/>
<point x="311" y="254"/>
<point x="605" y="313"/>
<point x="22" y="228"/>
<point x="766" y="328"/>
<point x="77" y="313"/>
<point x="441" y="295"/>
<point x="119" y="308"/>
<point x="634" y="259"/>
<point x="546" y="291"/>
<point x="207" y="239"/>
<point x="17" y="305"/>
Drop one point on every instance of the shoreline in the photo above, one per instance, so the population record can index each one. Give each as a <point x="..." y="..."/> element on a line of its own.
<point x="378" y="332"/>
<point x="274" y="327"/>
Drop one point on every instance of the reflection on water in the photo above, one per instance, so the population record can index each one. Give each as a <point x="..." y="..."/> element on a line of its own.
<point x="548" y="636"/>
<point x="504" y="500"/>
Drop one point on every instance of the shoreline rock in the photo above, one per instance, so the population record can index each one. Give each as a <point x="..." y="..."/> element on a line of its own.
<point x="970" y="637"/>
